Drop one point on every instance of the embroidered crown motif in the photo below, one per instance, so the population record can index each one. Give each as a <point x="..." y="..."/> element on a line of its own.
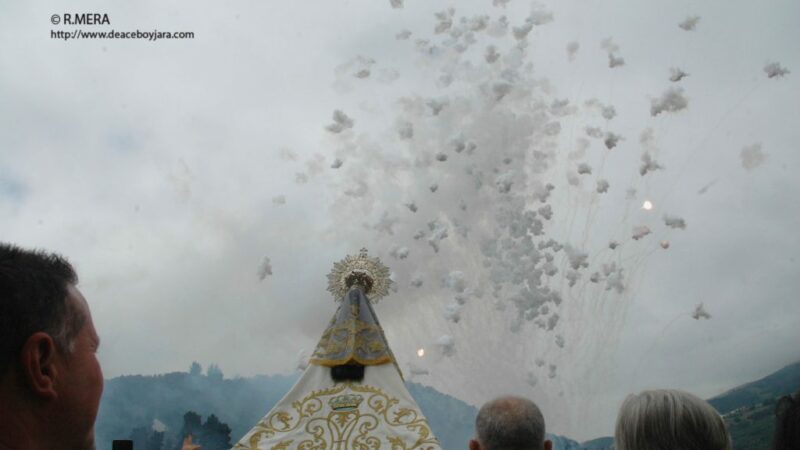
<point x="345" y="402"/>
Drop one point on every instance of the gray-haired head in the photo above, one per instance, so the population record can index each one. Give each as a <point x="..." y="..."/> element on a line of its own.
<point x="510" y="423"/>
<point x="667" y="419"/>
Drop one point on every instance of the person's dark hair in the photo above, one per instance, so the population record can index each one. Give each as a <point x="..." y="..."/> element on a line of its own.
<point x="33" y="298"/>
<point x="510" y="423"/>
<point x="787" y="423"/>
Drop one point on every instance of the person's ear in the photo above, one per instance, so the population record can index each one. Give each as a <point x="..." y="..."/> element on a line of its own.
<point x="548" y="444"/>
<point x="474" y="444"/>
<point x="38" y="364"/>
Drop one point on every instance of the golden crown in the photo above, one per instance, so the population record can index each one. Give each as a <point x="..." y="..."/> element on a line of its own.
<point x="345" y="402"/>
<point x="368" y="272"/>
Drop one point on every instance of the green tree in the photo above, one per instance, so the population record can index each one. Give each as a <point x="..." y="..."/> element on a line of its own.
<point x="196" y="369"/>
<point x="214" y="373"/>
<point x="215" y="435"/>
<point x="192" y="424"/>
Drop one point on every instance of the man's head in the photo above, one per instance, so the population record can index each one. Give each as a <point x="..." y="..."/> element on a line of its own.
<point x="510" y="423"/>
<point x="50" y="379"/>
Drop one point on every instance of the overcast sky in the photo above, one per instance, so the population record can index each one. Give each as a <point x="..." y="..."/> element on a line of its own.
<point x="166" y="171"/>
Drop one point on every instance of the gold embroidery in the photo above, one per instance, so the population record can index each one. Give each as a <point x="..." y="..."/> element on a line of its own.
<point x="344" y="429"/>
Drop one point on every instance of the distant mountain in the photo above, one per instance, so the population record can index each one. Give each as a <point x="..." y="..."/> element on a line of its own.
<point x="782" y="382"/>
<point x="141" y="401"/>
<point x="603" y="443"/>
<point x="136" y="401"/>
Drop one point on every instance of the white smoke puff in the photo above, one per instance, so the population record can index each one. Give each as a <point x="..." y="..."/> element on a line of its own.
<point x="552" y="321"/>
<point x="539" y="15"/>
<point x="613" y="245"/>
<point x="445" y="19"/>
<point x="300" y="178"/>
<point x="434" y="187"/>
<point x="594" y="132"/>
<point x="405" y="130"/>
<point x="452" y="312"/>
<point x="504" y="182"/>
<point x="609" y="268"/>
<point x="561" y="107"/>
<point x="608" y="45"/>
<point x="584" y="169"/>
<point x="752" y="156"/>
<point x="301" y="362"/>
<point x="458" y="144"/>
<point x="396" y="4"/>
<point x="477" y="23"/>
<point x="491" y="54"/>
<point x="640" y="232"/>
<point x="542" y="192"/>
<point x="417" y="371"/>
<point x="546" y="211"/>
<point x="498" y="28"/>
<point x="399" y="252"/>
<point x="648" y="164"/>
<point x="521" y="33"/>
<point x="340" y="123"/>
<point x="500" y="90"/>
<point x="572" y="276"/>
<point x="337" y="163"/>
<point x="581" y="145"/>
<point x="436" y="106"/>
<point x="455" y="281"/>
<point x="674" y="222"/>
<point x="264" y="269"/>
<point x="672" y="100"/>
<point x="549" y="269"/>
<point x="573" y="179"/>
<point x="577" y="258"/>
<point x="279" y="200"/>
<point x="552" y="128"/>
<point x="689" y="23"/>
<point x="614" y="280"/>
<point x="608" y="112"/>
<point x="572" y="50"/>
<point x="615" y="61"/>
<point x="500" y="3"/>
<point x="700" y="312"/>
<point x="447" y="345"/>
<point x="158" y="426"/>
<point x="551" y="371"/>
<point x="411" y="206"/>
<point x="437" y="235"/>
<point x="403" y="35"/>
<point x="531" y="379"/>
<point x="560" y="341"/>
<point x="385" y="224"/>
<point x="676" y="74"/>
<point x="416" y="281"/>
<point x="612" y="140"/>
<point x="602" y="186"/>
<point x="774" y="69"/>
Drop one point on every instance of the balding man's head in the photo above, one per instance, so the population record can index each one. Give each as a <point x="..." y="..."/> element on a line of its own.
<point x="510" y="423"/>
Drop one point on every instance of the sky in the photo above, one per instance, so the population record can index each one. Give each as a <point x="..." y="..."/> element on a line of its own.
<point x="167" y="170"/>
